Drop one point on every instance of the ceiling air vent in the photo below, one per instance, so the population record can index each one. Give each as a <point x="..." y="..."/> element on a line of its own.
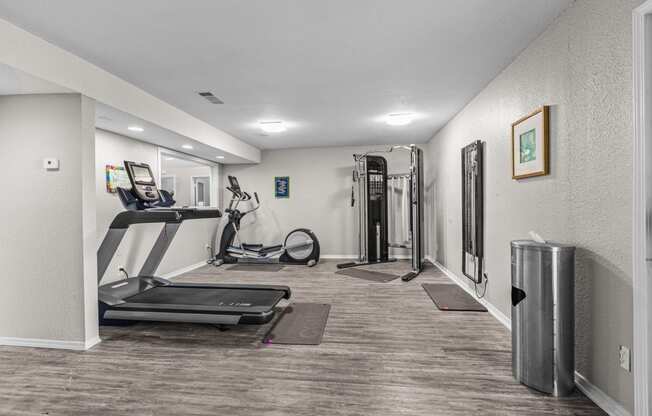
<point x="210" y="97"/>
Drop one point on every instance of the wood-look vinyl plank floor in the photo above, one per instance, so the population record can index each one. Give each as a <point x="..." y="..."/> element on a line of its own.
<point x="386" y="351"/>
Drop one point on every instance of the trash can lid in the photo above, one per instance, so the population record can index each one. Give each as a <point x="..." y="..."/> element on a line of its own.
<point x="547" y="246"/>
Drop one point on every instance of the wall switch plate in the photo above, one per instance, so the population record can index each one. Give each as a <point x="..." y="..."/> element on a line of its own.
<point x="51" y="163"/>
<point x="625" y="358"/>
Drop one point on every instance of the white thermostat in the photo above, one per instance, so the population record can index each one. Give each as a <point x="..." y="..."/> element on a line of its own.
<point x="50" y="163"/>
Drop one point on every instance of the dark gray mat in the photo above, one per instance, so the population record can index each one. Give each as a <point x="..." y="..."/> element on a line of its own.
<point x="300" y="324"/>
<point x="264" y="267"/>
<point x="449" y="297"/>
<point x="371" y="275"/>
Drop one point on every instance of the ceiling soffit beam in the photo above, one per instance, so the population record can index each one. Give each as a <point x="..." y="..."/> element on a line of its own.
<point x="33" y="55"/>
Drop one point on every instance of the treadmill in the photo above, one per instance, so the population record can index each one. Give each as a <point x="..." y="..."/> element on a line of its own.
<point x="149" y="298"/>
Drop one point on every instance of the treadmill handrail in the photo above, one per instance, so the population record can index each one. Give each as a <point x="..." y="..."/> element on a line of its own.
<point x="160" y="215"/>
<point x="125" y="219"/>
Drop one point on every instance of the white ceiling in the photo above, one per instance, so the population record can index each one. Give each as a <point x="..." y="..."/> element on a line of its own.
<point x="331" y="69"/>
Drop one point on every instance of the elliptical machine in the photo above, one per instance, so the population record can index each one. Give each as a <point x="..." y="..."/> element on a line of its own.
<point x="301" y="246"/>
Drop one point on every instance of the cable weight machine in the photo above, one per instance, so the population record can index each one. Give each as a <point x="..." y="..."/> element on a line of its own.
<point x="370" y="195"/>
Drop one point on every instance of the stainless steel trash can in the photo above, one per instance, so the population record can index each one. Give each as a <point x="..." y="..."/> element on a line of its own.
<point x="543" y="316"/>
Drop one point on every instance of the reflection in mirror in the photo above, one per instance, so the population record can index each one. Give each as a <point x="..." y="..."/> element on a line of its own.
<point x="187" y="180"/>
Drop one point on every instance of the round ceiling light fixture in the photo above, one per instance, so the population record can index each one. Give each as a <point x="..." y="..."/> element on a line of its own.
<point x="272" y="126"/>
<point x="400" y="119"/>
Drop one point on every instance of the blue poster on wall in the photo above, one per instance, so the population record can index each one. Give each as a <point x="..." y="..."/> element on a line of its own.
<point x="282" y="186"/>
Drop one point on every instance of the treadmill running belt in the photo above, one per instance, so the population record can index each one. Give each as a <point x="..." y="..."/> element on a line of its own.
<point x="207" y="297"/>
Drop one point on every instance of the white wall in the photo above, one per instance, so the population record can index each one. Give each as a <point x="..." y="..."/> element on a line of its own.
<point x="581" y="66"/>
<point x="320" y="195"/>
<point x="47" y="248"/>
<point x="188" y="247"/>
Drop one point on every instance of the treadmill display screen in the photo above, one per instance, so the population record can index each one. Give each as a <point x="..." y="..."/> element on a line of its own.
<point x="234" y="183"/>
<point x="142" y="175"/>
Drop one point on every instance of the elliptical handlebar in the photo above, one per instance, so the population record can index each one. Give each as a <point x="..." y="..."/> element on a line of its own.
<point x="239" y="195"/>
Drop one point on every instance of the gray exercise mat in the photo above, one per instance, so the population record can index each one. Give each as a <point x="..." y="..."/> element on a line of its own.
<point x="300" y="324"/>
<point x="449" y="297"/>
<point x="252" y="267"/>
<point x="371" y="275"/>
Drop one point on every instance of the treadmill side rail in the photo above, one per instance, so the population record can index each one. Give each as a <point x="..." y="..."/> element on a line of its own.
<point x="172" y="317"/>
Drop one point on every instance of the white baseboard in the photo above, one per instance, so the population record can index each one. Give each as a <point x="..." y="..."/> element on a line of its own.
<point x="355" y="256"/>
<point x="600" y="398"/>
<point x="183" y="270"/>
<point x="495" y="312"/>
<point x="90" y="343"/>
<point x="597" y="396"/>
<point x="49" y="343"/>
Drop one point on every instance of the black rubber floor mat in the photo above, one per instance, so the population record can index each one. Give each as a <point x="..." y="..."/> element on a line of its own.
<point x="371" y="275"/>
<point x="300" y="324"/>
<point x="264" y="267"/>
<point x="449" y="297"/>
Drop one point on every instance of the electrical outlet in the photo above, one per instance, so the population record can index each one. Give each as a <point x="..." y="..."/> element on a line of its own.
<point x="51" y="163"/>
<point x="625" y="358"/>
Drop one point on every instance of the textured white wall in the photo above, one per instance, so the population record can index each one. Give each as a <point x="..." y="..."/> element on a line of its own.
<point x="320" y="195"/>
<point x="189" y="245"/>
<point x="47" y="221"/>
<point x="581" y="66"/>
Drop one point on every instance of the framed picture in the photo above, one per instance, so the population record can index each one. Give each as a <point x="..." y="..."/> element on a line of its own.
<point x="116" y="176"/>
<point x="531" y="145"/>
<point x="282" y="187"/>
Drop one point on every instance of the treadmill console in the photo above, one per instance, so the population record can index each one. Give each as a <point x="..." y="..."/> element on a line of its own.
<point x="142" y="181"/>
<point x="235" y="186"/>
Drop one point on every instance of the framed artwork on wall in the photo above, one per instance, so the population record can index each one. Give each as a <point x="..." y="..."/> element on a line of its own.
<point x="282" y="187"/>
<point x="116" y="176"/>
<point x="531" y="145"/>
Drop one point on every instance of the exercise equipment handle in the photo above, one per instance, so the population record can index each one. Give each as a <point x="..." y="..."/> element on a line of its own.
<point x="256" y="195"/>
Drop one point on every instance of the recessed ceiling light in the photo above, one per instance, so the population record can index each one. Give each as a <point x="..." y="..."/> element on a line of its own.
<point x="136" y="128"/>
<point x="219" y="157"/>
<point x="169" y="158"/>
<point x="272" y="126"/>
<point x="187" y="146"/>
<point x="399" y="119"/>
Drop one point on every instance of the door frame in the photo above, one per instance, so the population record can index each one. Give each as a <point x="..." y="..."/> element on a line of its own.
<point x="210" y="186"/>
<point x="642" y="143"/>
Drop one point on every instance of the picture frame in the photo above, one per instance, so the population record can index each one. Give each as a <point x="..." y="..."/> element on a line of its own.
<point x="531" y="144"/>
<point x="282" y="187"/>
<point x="116" y="176"/>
